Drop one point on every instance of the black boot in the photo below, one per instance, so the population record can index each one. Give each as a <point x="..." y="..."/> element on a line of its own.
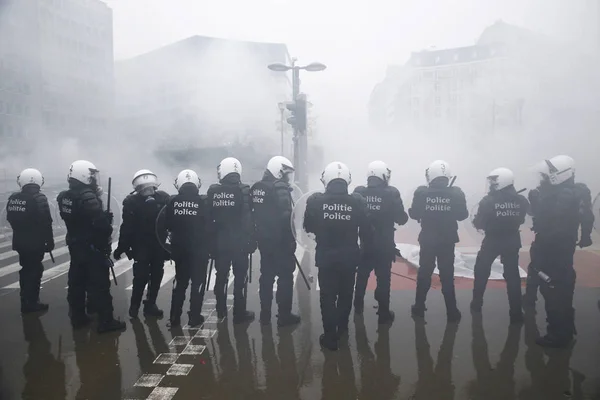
<point x="328" y="342"/>
<point x="265" y="317"/>
<point x="359" y="307"/>
<point x="418" y="310"/>
<point x="386" y="317"/>
<point x="516" y="317"/>
<point x="111" y="325"/>
<point x="174" y="321"/>
<point x="288" y="319"/>
<point x="243" y="317"/>
<point x="476" y="305"/>
<point x="133" y="311"/>
<point x="28" y="308"/>
<point x="195" y="319"/>
<point x="151" y="310"/>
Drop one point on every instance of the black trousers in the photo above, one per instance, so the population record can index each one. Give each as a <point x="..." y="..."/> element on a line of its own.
<point x="89" y="270"/>
<point x="148" y="269"/>
<point x="30" y="276"/>
<point x="443" y="254"/>
<point x="337" y="286"/>
<point x="533" y="281"/>
<point x="278" y="264"/>
<point x="383" y="272"/>
<point x="508" y="251"/>
<point x="223" y="262"/>
<point x="556" y="260"/>
<point x="189" y="267"/>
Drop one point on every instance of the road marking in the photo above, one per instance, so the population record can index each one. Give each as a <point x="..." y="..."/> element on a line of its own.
<point x="12" y="268"/>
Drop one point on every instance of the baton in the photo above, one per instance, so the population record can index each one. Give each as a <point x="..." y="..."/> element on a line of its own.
<point x="111" y="264"/>
<point x="250" y="276"/>
<point x="108" y="194"/>
<point x="522" y="190"/>
<point x="52" y="257"/>
<point x="207" y="283"/>
<point x="452" y="181"/>
<point x="301" y="272"/>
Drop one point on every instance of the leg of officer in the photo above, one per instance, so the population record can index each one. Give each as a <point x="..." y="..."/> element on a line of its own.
<point x="445" y="258"/>
<point x="383" y="272"/>
<point x="222" y="267"/>
<point x="482" y="270"/>
<point x="240" y="272"/>
<point x="77" y="287"/>
<point x="329" y="284"/>
<point x="347" y="277"/>
<point x="510" y="261"/>
<point x="427" y="256"/>
<point x="157" y="271"/>
<point x="362" y="278"/>
<point x="198" y="287"/>
<point x="266" y="280"/>
<point x="182" y="279"/>
<point x="285" y="289"/>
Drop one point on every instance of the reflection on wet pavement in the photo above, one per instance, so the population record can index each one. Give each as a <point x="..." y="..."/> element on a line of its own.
<point x="481" y="358"/>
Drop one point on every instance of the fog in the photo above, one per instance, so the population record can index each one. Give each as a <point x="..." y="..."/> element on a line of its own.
<point x="231" y="97"/>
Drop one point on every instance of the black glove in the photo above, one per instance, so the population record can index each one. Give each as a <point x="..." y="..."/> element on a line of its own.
<point x="49" y="246"/>
<point x="251" y="247"/>
<point x="129" y="254"/>
<point x="118" y="253"/>
<point x="109" y="216"/>
<point x="399" y="254"/>
<point x="585" y="241"/>
<point x="167" y="256"/>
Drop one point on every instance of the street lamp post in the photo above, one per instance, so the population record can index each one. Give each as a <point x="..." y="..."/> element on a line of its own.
<point x="282" y="111"/>
<point x="300" y="138"/>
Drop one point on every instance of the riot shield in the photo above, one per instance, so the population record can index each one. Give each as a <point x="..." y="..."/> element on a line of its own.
<point x="596" y="210"/>
<point x="4" y="225"/>
<point x="160" y="230"/>
<point x="296" y="193"/>
<point x="304" y="239"/>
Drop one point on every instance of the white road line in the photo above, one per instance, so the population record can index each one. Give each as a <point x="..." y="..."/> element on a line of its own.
<point x="12" y="268"/>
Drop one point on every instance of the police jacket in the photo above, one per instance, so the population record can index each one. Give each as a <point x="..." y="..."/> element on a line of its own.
<point x="272" y="210"/>
<point x="138" y="228"/>
<point x="230" y="222"/>
<point x="559" y="211"/>
<point x="185" y="219"/>
<point x="385" y="208"/>
<point x="438" y="207"/>
<point x="89" y="227"/>
<point x="29" y="216"/>
<point x="338" y="219"/>
<point x="501" y="213"/>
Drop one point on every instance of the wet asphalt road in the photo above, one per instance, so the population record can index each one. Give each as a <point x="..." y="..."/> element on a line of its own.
<point x="42" y="357"/>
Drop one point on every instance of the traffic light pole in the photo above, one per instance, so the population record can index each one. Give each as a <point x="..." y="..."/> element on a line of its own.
<point x="300" y="138"/>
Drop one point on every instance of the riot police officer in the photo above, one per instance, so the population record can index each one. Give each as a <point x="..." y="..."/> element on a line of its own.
<point x="385" y="208"/>
<point x="586" y="217"/>
<point x="137" y="239"/>
<point x="232" y="237"/>
<point x="29" y="216"/>
<point x="559" y="209"/>
<point x="89" y="230"/>
<point x="272" y="210"/>
<point x="337" y="219"/>
<point x="500" y="214"/>
<point x="186" y="223"/>
<point x="437" y="207"/>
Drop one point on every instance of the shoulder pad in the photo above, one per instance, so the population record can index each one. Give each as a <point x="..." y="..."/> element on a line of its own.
<point x="358" y="197"/>
<point x="421" y="188"/>
<point x="315" y="196"/>
<point x="456" y="190"/>
<point x="163" y="196"/>
<point x="203" y="197"/>
<point x="245" y="189"/>
<point x="360" y="189"/>
<point x="393" y="190"/>
<point x="214" y="186"/>
<point x="281" y="185"/>
<point x="40" y="197"/>
<point x="87" y="194"/>
<point x="14" y="195"/>
<point x="129" y="199"/>
<point x="582" y="188"/>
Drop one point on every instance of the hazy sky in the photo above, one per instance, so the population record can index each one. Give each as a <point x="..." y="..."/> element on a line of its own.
<point x="356" y="39"/>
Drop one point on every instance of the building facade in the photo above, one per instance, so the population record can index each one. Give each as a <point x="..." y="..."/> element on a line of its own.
<point x="203" y="92"/>
<point x="56" y="69"/>
<point x="482" y="88"/>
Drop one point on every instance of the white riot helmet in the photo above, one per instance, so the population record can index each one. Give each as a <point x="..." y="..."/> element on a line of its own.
<point x="380" y="170"/>
<point x="558" y="169"/>
<point x="228" y="166"/>
<point x="84" y="172"/>
<point x="144" y="178"/>
<point x="437" y="169"/>
<point x="500" y="178"/>
<point x="30" y="176"/>
<point x="187" y="176"/>
<point x="280" y="167"/>
<point x="336" y="170"/>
